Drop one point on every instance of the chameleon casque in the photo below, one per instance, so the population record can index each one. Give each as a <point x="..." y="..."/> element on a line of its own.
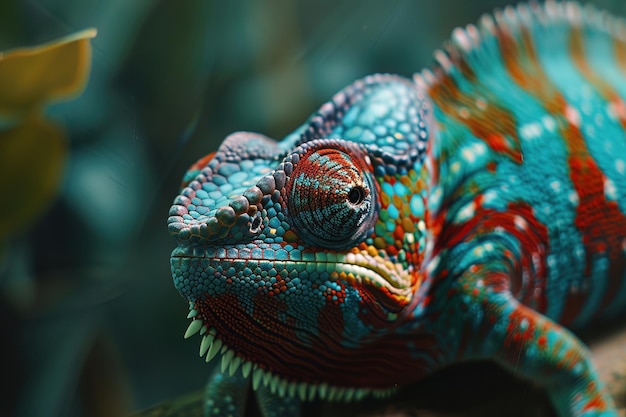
<point x="476" y="211"/>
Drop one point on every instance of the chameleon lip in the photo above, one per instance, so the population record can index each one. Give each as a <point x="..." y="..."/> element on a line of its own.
<point x="231" y="362"/>
<point x="353" y="268"/>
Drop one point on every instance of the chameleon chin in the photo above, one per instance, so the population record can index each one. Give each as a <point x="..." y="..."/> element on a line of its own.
<point x="476" y="211"/>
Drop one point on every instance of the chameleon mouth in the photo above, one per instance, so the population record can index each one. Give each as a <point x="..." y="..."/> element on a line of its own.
<point x="231" y="363"/>
<point x="352" y="267"/>
<point x="391" y="287"/>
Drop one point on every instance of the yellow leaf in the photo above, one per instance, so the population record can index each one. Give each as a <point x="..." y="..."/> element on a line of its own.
<point x="31" y="76"/>
<point x="32" y="159"/>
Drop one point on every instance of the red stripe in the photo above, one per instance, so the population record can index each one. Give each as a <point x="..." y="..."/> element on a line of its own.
<point x="600" y="222"/>
<point x="278" y="345"/>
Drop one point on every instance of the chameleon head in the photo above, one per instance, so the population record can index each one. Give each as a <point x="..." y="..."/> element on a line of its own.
<point x="298" y="260"/>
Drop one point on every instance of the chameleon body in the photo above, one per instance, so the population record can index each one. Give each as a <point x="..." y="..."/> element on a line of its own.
<point x="476" y="211"/>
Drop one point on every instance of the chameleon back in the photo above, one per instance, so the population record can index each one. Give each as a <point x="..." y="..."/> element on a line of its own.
<point x="537" y="136"/>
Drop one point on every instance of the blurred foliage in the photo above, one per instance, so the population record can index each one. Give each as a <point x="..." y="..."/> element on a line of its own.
<point x="32" y="148"/>
<point x="29" y="77"/>
<point x="94" y="321"/>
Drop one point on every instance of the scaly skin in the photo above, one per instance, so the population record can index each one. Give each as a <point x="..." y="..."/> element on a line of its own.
<point x="473" y="212"/>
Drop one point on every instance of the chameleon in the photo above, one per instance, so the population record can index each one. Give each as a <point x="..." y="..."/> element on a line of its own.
<point x="475" y="211"/>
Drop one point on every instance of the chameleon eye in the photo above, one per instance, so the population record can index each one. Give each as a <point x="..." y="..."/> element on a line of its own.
<point x="331" y="198"/>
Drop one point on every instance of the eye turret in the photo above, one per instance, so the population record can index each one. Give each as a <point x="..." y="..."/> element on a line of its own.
<point x="331" y="197"/>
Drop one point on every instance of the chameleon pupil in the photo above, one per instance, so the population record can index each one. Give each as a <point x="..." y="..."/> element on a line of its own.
<point x="356" y="195"/>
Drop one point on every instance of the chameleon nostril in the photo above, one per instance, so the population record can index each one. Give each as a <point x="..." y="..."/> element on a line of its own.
<point x="255" y="225"/>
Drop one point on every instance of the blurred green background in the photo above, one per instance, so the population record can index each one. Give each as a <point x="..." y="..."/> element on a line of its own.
<point x="91" y="323"/>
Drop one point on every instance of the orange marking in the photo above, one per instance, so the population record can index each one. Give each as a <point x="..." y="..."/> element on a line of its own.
<point x="600" y="222"/>
<point x="202" y="162"/>
<point x="620" y="53"/>
<point x="542" y="342"/>
<point x="485" y="118"/>
<point x="577" y="51"/>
